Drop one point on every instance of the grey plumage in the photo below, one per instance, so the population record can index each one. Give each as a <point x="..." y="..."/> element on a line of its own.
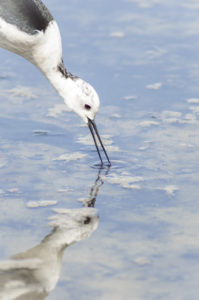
<point x="61" y="68"/>
<point x="28" y="15"/>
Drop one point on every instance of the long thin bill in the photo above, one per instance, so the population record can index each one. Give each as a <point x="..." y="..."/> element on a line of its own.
<point x="93" y="129"/>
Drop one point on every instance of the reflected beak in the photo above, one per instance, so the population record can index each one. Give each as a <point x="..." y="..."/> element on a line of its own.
<point x="93" y="129"/>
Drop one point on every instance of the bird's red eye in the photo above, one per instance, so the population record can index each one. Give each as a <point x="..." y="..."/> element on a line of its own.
<point x="87" y="107"/>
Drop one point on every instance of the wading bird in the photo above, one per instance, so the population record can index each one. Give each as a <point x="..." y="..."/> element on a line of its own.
<point x="28" y="29"/>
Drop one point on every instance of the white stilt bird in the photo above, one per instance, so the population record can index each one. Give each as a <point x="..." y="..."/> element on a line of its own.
<point x="28" y="29"/>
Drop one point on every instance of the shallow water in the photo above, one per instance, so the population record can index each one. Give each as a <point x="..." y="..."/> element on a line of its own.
<point x="142" y="58"/>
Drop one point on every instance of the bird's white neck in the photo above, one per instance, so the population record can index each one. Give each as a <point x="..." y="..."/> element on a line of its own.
<point x="65" y="86"/>
<point x="78" y="95"/>
<point x="47" y="56"/>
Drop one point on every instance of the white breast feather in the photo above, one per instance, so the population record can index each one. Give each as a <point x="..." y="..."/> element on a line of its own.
<point x="43" y="49"/>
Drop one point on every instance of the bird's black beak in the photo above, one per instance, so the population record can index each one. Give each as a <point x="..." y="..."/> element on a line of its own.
<point x="93" y="129"/>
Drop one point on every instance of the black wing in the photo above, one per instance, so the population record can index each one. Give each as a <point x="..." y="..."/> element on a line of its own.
<point x="28" y="15"/>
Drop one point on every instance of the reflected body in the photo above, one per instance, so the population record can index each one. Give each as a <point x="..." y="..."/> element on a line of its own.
<point x="28" y="29"/>
<point x="33" y="274"/>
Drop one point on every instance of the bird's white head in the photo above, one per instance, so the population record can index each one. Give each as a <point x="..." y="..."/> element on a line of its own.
<point x="83" y="99"/>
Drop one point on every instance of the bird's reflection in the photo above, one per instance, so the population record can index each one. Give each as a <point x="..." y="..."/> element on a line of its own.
<point x="90" y="201"/>
<point x="33" y="274"/>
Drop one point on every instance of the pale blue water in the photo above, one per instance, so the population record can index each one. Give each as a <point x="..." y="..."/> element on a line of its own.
<point x="142" y="58"/>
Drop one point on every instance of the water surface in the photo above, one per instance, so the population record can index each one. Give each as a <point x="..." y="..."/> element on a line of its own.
<point x="142" y="58"/>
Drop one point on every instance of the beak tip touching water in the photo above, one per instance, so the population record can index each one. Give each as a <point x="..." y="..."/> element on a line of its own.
<point x="93" y="129"/>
